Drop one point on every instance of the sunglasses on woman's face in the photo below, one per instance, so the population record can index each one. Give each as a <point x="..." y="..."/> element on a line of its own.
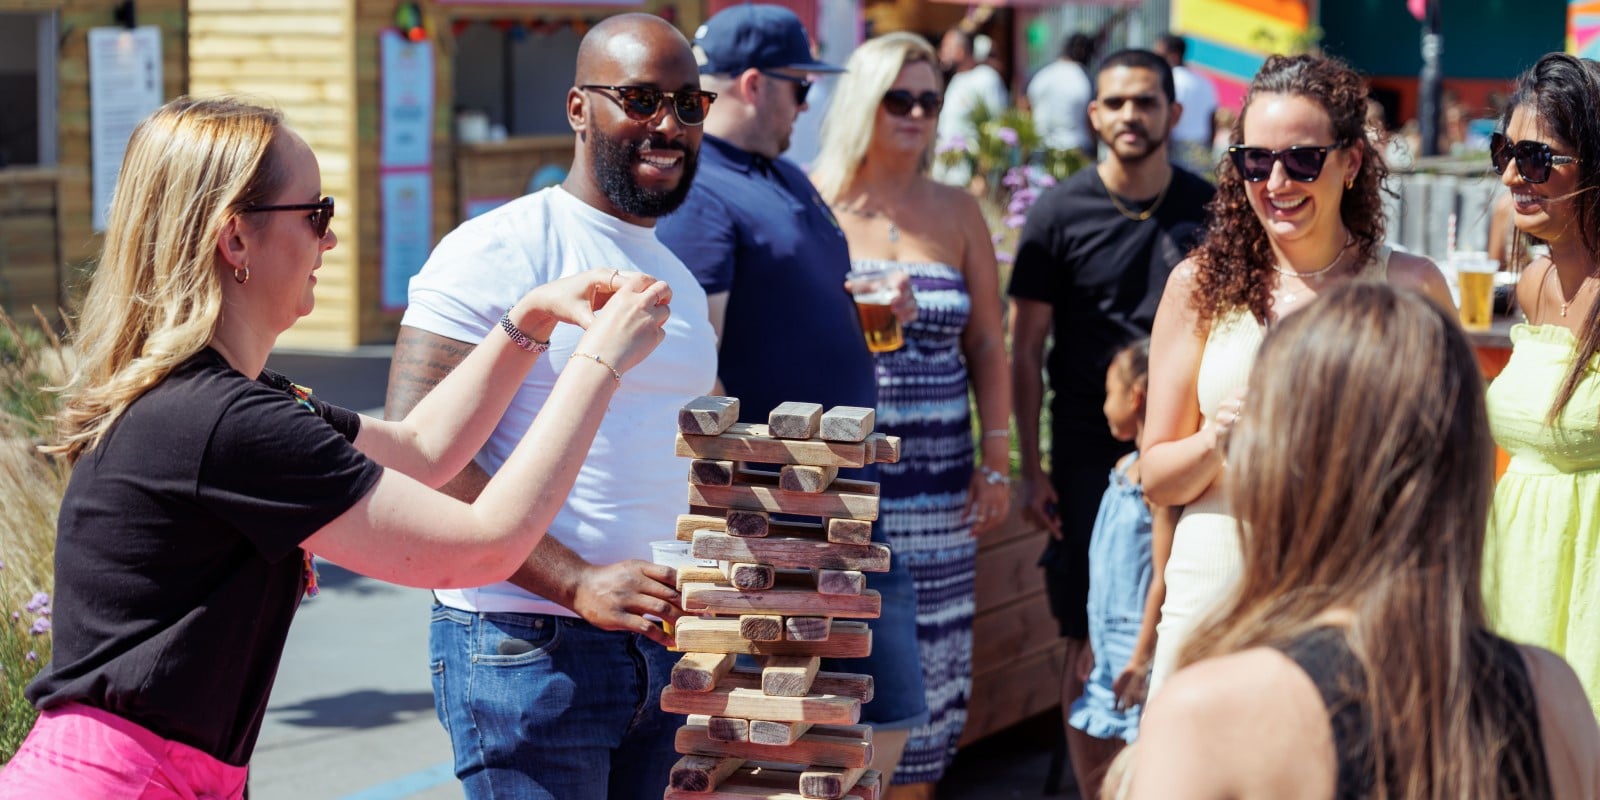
<point x="1301" y="163"/>
<point x="1534" y="159"/>
<point x="321" y="215"/>
<point x="643" y="103"/>
<point x="899" y="102"/>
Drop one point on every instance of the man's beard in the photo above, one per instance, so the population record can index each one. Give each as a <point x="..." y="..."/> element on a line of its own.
<point x="1151" y="145"/>
<point x="613" y="161"/>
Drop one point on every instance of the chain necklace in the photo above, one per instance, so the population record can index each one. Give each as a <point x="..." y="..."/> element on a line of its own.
<point x="1287" y="296"/>
<point x="894" y="230"/>
<point x="1569" y="301"/>
<point x="1142" y="215"/>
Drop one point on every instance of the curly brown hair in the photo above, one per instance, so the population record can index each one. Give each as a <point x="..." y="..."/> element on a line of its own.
<point x="1235" y="258"/>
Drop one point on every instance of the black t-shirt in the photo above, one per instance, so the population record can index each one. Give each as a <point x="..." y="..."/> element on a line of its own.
<point x="178" y="566"/>
<point x="1103" y="274"/>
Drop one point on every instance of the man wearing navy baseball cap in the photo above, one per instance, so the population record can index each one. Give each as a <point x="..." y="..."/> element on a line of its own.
<point x="773" y="260"/>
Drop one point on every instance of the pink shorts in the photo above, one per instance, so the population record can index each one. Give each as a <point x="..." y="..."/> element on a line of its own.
<point x="75" y="751"/>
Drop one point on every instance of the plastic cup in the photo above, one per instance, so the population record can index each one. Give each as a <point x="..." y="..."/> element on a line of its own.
<point x="1475" y="276"/>
<point x="873" y="291"/>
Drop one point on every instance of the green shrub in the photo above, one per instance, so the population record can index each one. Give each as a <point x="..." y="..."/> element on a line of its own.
<point x="31" y="485"/>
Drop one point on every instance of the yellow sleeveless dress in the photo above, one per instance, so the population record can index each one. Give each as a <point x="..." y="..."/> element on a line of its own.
<point x="1542" y="562"/>
<point x="1206" y="561"/>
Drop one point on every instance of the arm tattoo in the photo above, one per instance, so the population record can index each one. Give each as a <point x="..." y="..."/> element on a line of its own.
<point x="421" y="360"/>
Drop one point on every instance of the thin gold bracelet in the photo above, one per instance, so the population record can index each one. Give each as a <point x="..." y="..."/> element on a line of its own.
<point x="602" y="362"/>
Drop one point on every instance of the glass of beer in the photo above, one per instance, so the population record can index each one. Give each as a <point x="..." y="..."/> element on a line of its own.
<point x="1475" y="276"/>
<point x="873" y="290"/>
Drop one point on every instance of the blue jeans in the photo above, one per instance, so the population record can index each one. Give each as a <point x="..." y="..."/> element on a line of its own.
<point x="551" y="708"/>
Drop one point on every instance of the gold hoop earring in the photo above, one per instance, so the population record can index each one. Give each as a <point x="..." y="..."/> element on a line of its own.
<point x="241" y="275"/>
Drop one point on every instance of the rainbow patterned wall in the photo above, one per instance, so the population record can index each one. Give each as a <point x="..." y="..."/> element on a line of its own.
<point x="1583" y="28"/>
<point x="1228" y="39"/>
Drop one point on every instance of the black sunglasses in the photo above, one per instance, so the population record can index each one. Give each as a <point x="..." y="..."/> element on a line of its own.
<point x="1301" y="163"/>
<point x="643" y="103"/>
<point x="321" y="215"/>
<point x="899" y="102"/>
<point x="802" y="85"/>
<point x="1534" y="159"/>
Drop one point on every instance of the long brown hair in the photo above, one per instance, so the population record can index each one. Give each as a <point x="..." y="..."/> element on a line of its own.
<point x="1563" y="92"/>
<point x="156" y="295"/>
<point x="1361" y="478"/>
<point x="1235" y="258"/>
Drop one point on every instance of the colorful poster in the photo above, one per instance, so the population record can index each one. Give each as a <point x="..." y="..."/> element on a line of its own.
<point x="1229" y="39"/>
<point x="124" y="88"/>
<point x="407" y="199"/>
<point x="1583" y="28"/>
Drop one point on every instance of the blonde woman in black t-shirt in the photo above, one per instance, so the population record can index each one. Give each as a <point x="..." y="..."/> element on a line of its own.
<point x="203" y="483"/>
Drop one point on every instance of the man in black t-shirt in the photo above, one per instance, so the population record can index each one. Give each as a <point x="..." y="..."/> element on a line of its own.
<point x="1090" y="268"/>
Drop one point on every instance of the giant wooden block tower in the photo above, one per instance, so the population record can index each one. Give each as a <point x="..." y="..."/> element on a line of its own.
<point x="787" y="593"/>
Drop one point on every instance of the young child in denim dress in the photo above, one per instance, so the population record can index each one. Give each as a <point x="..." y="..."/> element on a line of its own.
<point x="1129" y="546"/>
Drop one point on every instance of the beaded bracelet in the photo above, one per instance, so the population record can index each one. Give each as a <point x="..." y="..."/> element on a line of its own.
<point x="602" y="362"/>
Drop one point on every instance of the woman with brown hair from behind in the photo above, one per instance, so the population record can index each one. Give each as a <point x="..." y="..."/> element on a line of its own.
<point x="1355" y="659"/>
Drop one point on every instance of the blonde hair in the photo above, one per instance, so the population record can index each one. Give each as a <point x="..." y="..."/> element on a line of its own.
<point x="1361" y="477"/>
<point x="852" y="115"/>
<point x="156" y="295"/>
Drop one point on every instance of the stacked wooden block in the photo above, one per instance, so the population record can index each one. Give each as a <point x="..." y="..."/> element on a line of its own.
<point x="786" y="593"/>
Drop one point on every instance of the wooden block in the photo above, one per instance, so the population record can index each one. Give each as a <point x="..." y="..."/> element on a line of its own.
<point x="822" y="745"/>
<point x="728" y="729"/>
<point x="795" y="420"/>
<point x="804" y="478"/>
<point x="847" y="423"/>
<point x="748" y="524"/>
<point x="708" y="415"/>
<point x="870" y="786"/>
<point x="789" y="676"/>
<point x="714" y="599"/>
<point x="766" y="477"/>
<point x="846" y="639"/>
<point x="850" y="531"/>
<point x="751" y="577"/>
<point x="788" y="552"/>
<point x="841" y="581"/>
<point x="746" y="442"/>
<point x="761" y="627"/>
<point x="777" y="734"/>
<point x="844" y="684"/>
<point x="771" y="499"/>
<point x="883" y="448"/>
<point x="700" y="672"/>
<point x="828" y="783"/>
<point x="807" y="629"/>
<point x="714" y="519"/>
<point x="752" y="704"/>
<point x="708" y="472"/>
<point x="702" y="773"/>
<point x="768" y="780"/>
<point x="688" y="575"/>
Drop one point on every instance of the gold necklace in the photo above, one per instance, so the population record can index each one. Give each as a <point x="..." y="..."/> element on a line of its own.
<point x="1142" y="215"/>
<point x="894" y="230"/>
<point x="1575" y="293"/>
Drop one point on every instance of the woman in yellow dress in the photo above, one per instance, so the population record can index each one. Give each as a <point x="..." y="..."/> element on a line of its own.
<point x="1543" y="562"/>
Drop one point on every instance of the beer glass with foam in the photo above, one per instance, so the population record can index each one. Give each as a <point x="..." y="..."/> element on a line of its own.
<point x="873" y="290"/>
<point x="1475" y="276"/>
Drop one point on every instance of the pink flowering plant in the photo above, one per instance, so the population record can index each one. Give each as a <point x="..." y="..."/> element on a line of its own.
<point x="31" y="486"/>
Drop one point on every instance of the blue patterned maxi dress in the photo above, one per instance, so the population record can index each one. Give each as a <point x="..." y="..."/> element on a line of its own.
<point x="922" y="398"/>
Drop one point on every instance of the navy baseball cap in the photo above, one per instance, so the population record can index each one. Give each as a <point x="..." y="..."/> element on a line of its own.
<point x="750" y="36"/>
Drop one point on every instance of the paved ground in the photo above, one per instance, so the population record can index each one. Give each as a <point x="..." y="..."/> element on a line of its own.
<point x="351" y="716"/>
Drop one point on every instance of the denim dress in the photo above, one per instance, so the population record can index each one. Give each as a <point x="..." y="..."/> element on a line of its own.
<point x="1119" y="580"/>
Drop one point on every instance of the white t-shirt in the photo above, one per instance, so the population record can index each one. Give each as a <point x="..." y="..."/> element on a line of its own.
<point x="966" y="91"/>
<point x="1060" y="95"/>
<point x="1199" y="100"/>
<point x="631" y="487"/>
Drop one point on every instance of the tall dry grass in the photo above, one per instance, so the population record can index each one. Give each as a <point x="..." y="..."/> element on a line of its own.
<point x="32" y="358"/>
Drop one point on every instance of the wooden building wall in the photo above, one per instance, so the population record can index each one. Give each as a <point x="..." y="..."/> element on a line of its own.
<point x="300" y="56"/>
<point x="75" y="246"/>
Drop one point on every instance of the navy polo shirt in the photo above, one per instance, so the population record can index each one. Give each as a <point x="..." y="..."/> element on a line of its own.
<point x="756" y="228"/>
